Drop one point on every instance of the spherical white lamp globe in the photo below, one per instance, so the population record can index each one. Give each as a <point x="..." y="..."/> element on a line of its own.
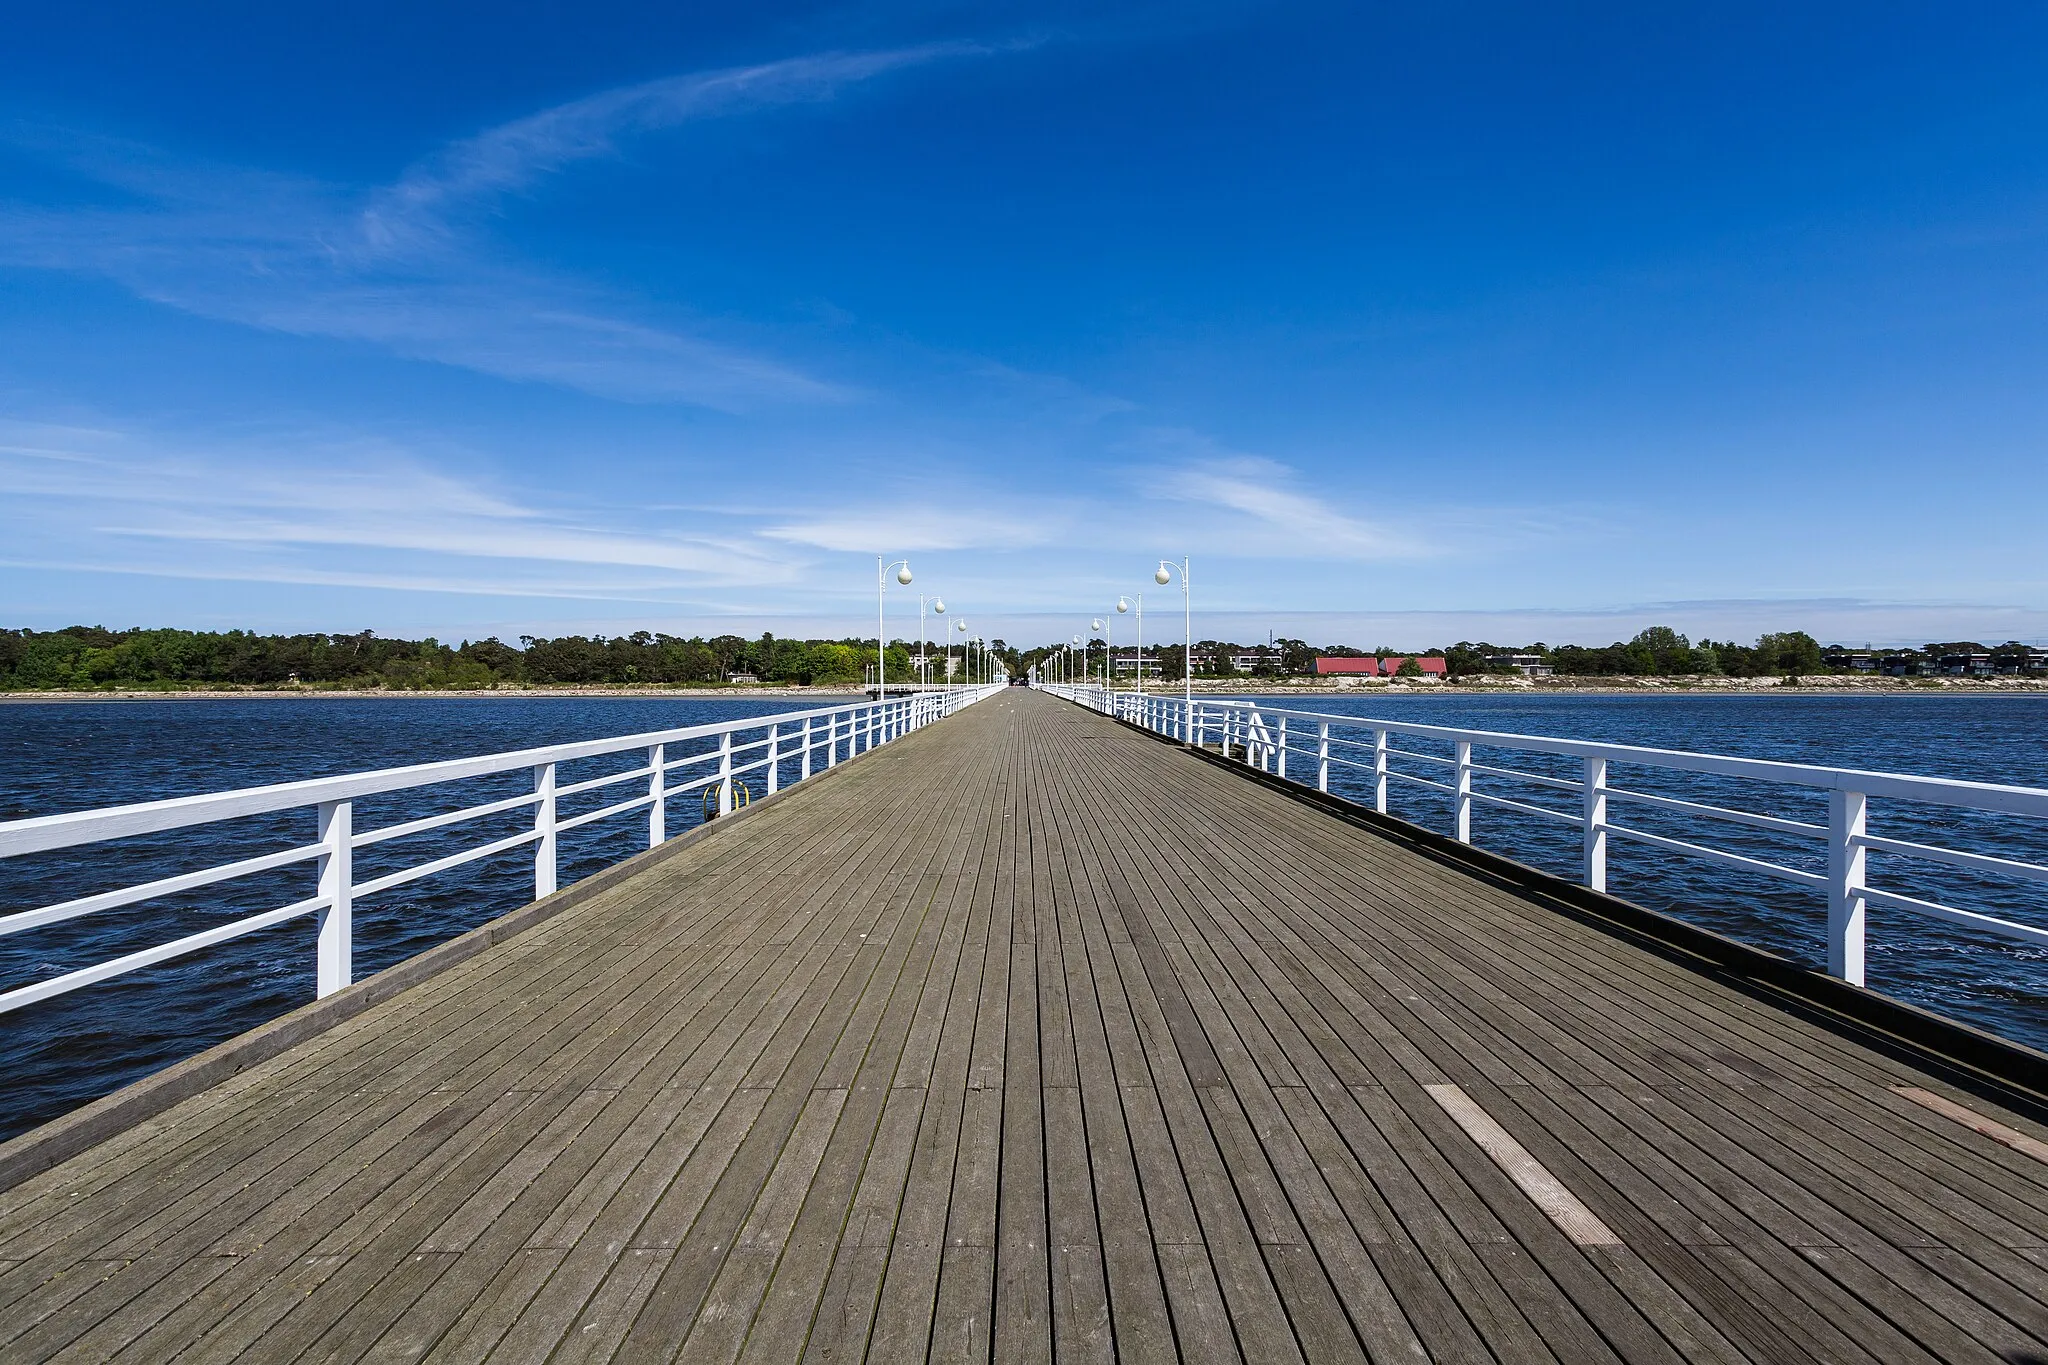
<point x="1123" y="604"/>
<point x="1163" y="576"/>
<point x="903" y="575"/>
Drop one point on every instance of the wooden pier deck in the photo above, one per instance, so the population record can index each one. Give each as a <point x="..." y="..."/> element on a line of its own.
<point x="1031" y="1038"/>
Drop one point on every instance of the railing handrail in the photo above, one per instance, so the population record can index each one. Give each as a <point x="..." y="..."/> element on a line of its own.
<point x="1948" y="791"/>
<point x="788" y="737"/>
<point x="41" y="833"/>
<point x="1260" y="735"/>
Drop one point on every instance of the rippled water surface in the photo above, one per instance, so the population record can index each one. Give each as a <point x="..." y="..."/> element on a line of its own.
<point x="74" y="756"/>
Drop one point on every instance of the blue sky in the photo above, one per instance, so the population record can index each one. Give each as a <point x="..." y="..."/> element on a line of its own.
<point x="1407" y="322"/>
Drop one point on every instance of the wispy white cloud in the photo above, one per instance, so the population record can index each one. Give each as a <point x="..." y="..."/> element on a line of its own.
<point x="924" y="527"/>
<point x="302" y="576"/>
<point x="410" y="266"/>
<point x="1281" y="517"/>
<point x="317" y="509"/>
<point x="1259" y="508"/>
<point x="515" y="155"/>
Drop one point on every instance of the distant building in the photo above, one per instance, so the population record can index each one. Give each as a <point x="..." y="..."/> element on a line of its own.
<point x="1432" y="665"/>
<point x="1528" y="665"/>
<point x="1850" y="660"/>
<point x="1970" y="665"/>
<point x="1902" y="665"/>
<point x="1255" y="658"/>
<point x="741" y="677"/>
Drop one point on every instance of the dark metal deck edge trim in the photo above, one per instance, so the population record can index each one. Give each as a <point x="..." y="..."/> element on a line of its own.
<point x="97" y="1120"/>
<point x="1968" y="1057"/>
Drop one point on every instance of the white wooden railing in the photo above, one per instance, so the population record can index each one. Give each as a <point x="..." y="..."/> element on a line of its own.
<point x="766" y="750"/>
<point x="1304" y="747"/>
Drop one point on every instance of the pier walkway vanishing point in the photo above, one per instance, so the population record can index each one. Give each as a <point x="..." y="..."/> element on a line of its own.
<point x="1031" y="1037"/>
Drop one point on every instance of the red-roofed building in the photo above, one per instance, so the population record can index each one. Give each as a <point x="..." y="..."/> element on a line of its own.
<point x="1432" y="665"/>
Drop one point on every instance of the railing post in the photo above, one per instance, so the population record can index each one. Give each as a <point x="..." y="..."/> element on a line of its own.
<point x="1283" y="746"/>
<point x="1323" y="757"/>
<point x="1379" y="771"/>
<point x="334" y="953"/>
<point x="725" y="772"/>
<point x="1463" y="783"/>
<point x="1846" y="859"/>
<point x="544" y="826"/>
<point x="657" y="792"/>
<point x="805" y="770"/>
<point x="774" y="758"/>
<point x="831" y="739"/>
<point x="1595" y="806"/>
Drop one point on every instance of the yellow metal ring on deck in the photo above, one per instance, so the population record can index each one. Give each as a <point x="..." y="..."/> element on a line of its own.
<point x="741" y="796"/>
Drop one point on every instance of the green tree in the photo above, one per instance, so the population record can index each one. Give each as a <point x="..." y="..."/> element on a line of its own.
<point x="1790" y="652"/>
<point x="1665" y="650"/>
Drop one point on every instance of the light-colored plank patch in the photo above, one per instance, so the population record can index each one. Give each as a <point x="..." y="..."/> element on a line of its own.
<point x="1545" y="1190"/>
<point x="1975" y="1121"/>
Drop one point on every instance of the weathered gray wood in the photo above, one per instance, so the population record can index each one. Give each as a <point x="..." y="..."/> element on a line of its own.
<point x="1029" y="1037"/>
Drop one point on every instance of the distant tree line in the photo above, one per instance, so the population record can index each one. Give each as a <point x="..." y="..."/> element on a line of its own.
<point x="1659" y="651"/>
<point x="89" y="657"/>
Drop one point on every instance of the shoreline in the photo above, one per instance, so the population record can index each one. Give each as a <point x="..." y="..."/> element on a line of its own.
<point x="1212" y="687"/>
<point x="1618" y="686"/>
<point x="428" y="694"/>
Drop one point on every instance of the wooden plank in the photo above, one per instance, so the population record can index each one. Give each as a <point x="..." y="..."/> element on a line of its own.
<point x="982" y="1050"/>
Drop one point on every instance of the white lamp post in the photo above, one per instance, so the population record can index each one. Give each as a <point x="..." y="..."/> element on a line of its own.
<point x="1096" y="625"/>
<point x="902" y="567"/>
<point x="1141" y="644"/>
<point x="1123" y="604"/>
<point x="1163" y="576"/>
<point x="924" y="665"/>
